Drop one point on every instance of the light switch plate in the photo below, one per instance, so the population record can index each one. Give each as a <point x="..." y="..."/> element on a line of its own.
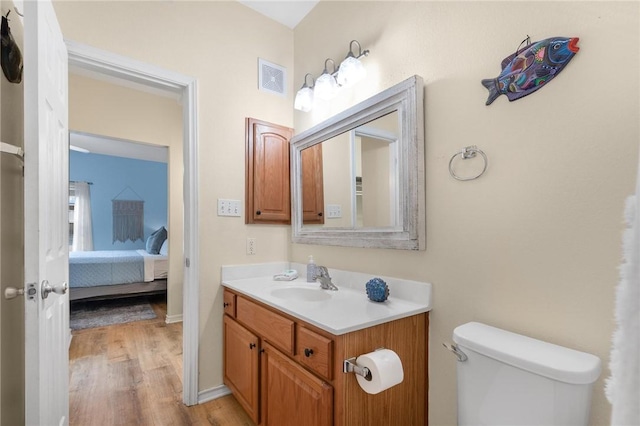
<point x="334" y="211"/>
<point x="229" y="207"/>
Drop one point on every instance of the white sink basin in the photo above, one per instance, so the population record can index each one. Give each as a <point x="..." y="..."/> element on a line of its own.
<point x="301" y="294"/>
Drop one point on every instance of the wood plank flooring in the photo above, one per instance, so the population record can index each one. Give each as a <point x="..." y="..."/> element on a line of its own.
<point x="131" y="374"/>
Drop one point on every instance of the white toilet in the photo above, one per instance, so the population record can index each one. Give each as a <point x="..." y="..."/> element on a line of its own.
<point x="510" y="379"/>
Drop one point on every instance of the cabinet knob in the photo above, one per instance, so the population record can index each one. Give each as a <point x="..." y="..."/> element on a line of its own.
<point x="320" y="214"/>
<point x="308" y="352"/>
<point x="225" y="304"/>
<point x="258" y="212"/>
<point x="252" y="345"/>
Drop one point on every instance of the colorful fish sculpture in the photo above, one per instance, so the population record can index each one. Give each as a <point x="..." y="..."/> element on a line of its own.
<point x="531" y="67"/>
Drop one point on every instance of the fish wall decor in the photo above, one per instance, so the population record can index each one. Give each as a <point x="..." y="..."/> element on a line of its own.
<point x="531" y="67"/>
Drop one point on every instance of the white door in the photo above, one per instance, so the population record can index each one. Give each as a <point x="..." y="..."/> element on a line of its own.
<point x="46" y="221"/>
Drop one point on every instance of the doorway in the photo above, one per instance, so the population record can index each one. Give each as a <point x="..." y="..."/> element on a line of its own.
<point x="131" y="72"/>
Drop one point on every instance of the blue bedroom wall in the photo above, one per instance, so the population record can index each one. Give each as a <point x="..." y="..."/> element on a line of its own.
<point x="110" y="175"/>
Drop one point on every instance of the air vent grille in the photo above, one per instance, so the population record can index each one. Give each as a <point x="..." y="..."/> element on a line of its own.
<point x="272" y="78"/>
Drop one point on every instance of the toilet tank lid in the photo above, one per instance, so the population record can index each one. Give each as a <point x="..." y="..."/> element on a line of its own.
<point x="543" y="358"/>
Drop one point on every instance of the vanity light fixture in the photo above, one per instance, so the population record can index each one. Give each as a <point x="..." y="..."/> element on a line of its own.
<point x="304" y="97"/>
<point x="327" y="85"/>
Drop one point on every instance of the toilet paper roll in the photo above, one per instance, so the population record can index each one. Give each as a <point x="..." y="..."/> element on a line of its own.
<point x="385" y="367"/>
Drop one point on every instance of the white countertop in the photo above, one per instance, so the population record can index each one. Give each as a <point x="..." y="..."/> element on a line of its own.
<point x="344" y="311"/>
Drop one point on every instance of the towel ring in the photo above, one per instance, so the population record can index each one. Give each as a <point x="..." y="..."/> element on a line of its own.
<point x="466" y="153"/>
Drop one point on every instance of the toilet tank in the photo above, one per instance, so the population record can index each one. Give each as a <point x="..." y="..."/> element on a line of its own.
<point x="511" y="379"/>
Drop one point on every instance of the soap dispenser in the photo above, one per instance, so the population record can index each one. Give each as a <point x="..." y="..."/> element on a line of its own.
<point x="311" y="270"/>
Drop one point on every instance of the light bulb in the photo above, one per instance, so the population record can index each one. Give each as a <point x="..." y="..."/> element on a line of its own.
<point x="326" y="87"/>
<point x="304" y="99"/>
<point x="351" y="71"/>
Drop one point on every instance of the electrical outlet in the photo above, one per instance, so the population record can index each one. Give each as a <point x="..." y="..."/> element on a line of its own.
<point x="251" y="246"/>
<point x="334" y="211"/>
<point x="229" y="207"/>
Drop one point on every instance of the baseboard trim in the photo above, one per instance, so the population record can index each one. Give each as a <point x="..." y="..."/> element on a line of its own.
<point x="213" y="393"/>
<point x="170" y="319"/>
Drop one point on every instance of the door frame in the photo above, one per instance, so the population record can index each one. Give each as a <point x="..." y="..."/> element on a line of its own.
<point x="133" y="71"/>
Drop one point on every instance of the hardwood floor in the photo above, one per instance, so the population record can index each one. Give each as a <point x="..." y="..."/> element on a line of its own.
<point x="131" y="374"/>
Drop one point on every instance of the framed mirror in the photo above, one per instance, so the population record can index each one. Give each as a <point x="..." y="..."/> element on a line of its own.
<point x="357" y="179"/>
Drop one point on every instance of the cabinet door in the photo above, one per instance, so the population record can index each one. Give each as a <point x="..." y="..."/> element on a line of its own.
<point x="267" y="184"/>
<point x="241" y="362"/>
<point x="291" y="396"/>
<point x="312" y="185"/>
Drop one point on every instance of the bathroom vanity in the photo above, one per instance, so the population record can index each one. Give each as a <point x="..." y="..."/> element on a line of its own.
<point x="285" y="343"/>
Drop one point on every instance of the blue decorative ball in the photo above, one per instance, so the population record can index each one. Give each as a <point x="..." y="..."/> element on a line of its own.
<point x="377" y="290"/>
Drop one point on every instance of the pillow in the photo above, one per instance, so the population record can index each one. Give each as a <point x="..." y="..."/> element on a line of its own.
<point x="155" y="240"/>
<point x="164" y="250"/>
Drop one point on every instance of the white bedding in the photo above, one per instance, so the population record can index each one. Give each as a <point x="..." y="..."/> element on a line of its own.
<point x="156" y="266"/>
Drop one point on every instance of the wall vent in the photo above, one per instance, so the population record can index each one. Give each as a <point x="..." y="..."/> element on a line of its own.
<point x="272" y="78"/>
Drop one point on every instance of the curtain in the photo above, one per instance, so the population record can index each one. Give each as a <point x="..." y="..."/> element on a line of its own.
<point x="623" y="386"/>
<point x="82" y="227"/>
<point x="128" y="220"/>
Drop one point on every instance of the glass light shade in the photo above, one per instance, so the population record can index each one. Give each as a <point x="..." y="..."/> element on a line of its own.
<point x="351" y="71"/>
<point x="326" y="87"/>
<point x="304" y="99"/>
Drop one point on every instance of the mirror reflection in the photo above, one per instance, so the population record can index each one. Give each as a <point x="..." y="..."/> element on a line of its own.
<point x="351" y="180"/>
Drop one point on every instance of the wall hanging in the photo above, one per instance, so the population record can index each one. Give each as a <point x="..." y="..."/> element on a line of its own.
<point x="10" y="53"/>
<point x="128" y="218"/>
<point x="529" y="68"/>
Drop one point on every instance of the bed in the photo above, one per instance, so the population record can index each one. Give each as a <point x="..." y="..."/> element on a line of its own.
<point x="116" y="273"/>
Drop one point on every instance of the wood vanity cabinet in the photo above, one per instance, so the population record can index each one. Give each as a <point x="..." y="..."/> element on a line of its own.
<point x="286" y="372"/>
<point x="267" y="192"/>
<point x="241" y="362"/>
<point x="290" y="394"/>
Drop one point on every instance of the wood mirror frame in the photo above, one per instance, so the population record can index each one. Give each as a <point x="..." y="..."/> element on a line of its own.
<point x="409" y="231"/>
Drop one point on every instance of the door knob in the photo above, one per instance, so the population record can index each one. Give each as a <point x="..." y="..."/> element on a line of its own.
<point x="57" y="289"/>
<point x="12" y="292"/>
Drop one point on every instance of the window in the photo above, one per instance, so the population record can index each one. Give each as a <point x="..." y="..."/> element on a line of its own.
<point x="72" y="206"/>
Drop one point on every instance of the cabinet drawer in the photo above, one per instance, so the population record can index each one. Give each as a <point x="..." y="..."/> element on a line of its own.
<point x="315" y="351"/>
<point x="272" y="327"/>
<point x="229" y="304"/>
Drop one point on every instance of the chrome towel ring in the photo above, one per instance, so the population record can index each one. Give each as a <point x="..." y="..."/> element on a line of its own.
<point x="465" y="154"/>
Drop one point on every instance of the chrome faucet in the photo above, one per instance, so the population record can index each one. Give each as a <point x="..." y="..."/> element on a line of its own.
<point x="325" y="278"/>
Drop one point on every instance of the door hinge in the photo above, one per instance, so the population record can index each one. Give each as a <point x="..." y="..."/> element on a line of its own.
<point x="187" y="262"/>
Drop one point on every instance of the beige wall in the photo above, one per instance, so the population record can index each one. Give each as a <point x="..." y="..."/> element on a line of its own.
<point x="532" y="246"/>
<point x="11" y="242"/>
<point x="218" y="43"/>
<point x="107" y="109"/>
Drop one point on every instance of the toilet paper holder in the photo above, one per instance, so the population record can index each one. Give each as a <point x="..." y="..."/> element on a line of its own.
<point x="349" y="366"/>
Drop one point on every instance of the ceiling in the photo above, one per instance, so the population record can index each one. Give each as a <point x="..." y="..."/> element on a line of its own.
<point x="288" y="13"/>
<point x="96" y="144"/>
